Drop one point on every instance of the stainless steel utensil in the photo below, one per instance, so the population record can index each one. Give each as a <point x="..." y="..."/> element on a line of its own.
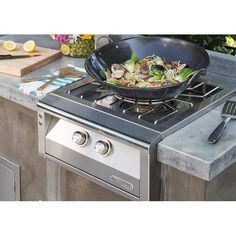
<point x="228" y="112"/>
<point x="9" y="56"/>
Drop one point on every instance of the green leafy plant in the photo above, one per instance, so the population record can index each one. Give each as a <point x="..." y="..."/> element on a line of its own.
<point x="217" y="43"/>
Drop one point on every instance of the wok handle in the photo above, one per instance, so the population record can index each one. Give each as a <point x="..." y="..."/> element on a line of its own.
<point x="103" y="37"/>
<point x="196" y="75"/>
<point x="217" y="133"/>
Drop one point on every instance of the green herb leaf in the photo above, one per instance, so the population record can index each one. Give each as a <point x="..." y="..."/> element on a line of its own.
<point x="130" y="64"/>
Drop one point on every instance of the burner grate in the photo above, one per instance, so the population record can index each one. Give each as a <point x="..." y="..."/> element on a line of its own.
<point x="200" y="90"/>
<point x="155" y="112"/>
<point x="142" y="102"/>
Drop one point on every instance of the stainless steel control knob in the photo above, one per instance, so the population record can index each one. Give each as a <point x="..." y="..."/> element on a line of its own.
<point x="80" y="138"/>
<point x="102" y="147"/>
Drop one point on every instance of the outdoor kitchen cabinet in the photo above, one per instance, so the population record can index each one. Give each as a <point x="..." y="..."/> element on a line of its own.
<point x="19" y="144"/>
<point x="39" y="178"/>
<point x="179" y="186"/>
<point x="9" y="180"/>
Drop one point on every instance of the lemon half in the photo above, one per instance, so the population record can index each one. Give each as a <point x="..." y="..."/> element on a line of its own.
<point x="9" y="45"/>
<point x="29" y="46"/>
<point x="65" y="49"/>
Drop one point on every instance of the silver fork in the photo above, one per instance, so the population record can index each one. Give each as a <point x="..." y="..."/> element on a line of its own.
<point x="228" y="112"/>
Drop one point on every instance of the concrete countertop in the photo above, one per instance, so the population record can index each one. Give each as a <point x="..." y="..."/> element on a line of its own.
<point x="8" y="83"/>
<point x="188" y="149"/>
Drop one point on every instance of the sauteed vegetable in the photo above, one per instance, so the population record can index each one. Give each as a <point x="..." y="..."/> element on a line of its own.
<point x="151" y="71"/>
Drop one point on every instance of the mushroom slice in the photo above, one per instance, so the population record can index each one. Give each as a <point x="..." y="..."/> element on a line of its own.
<point x="115" y="67"/>
<point x="144" y="68"/>
<point x="117" y="74"/>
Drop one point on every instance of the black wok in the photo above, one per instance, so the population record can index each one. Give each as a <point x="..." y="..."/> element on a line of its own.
<point x="168" y="48"/>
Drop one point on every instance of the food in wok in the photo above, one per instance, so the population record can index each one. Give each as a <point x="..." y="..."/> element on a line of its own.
<point x="151" y="71"/>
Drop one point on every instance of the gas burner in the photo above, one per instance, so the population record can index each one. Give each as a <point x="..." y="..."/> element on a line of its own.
<point x="138" y="108"/>
<point x="155" y="113"/>
<point x="152" y="112"/>
<point x="143" y="108"/>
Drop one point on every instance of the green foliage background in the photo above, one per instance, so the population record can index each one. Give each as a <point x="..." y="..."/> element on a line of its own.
<point x="211" y="42"/>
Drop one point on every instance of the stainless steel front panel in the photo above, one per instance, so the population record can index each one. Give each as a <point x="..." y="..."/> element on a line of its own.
<point x="122" y="156"/>
<point x="92" y="167"/>
<point x="134" y="185"/>
<point x="120" y="168"/>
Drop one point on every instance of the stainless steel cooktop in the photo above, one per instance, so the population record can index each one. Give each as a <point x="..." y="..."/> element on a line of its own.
<point x="144" y="121"/>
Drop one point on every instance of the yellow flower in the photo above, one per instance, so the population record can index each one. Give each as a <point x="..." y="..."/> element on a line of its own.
<point x="86" y="36"/>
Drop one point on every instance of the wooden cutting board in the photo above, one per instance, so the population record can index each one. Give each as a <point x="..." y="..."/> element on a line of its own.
<point x="20" y="67"/>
